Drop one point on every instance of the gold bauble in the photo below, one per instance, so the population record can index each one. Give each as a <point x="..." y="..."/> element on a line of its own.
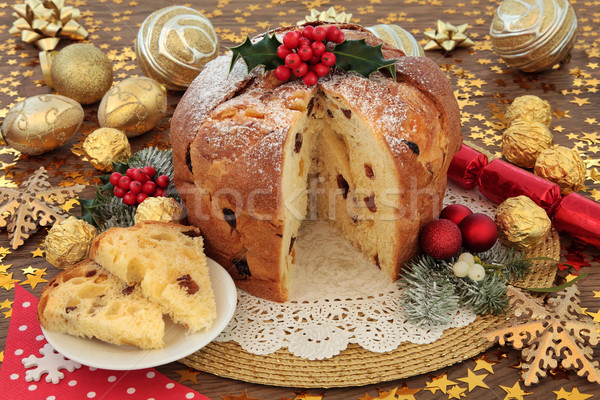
<point x="173" y="45"/>
<point x="533" y="35"/>
<point x="164" y="209"/>
<point x="529" y="108"/>
<point x="399" y="38"/>
<point x="562" y="166"/>
<point x="523" y="141"/>
<point x="521" y="223"/>
<point x="135" y="106"/>
<point x="68" y="242"/>
<point x="82" y="72"/>
<point x="105" y="146"/>
<point x="42" y="123"/>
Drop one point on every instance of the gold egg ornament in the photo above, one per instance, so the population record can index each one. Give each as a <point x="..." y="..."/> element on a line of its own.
<point x="398" y="37"/>
<point x="173" y="45"/>
<point x="82" y="72"/>
<point x="134" y="106"/>
<point x="533" y="35"/>
<point x="42" y="123"/>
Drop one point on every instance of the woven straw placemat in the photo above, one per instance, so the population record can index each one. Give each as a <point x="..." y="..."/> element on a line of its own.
<point x="356" y="366"/>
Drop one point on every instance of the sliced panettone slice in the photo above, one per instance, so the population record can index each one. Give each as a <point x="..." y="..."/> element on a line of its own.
<point x="167" y="261"/>
<point x="86" y="300"/>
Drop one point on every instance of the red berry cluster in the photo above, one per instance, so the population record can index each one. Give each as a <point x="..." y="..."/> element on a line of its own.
<point x="137" y="185"/>
<point x="305" y="53"/>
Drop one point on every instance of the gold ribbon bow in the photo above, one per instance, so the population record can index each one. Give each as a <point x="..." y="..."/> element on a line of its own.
<point x="46" y="22"/>
<point x="327" y="16"/>
<point x="447" y="37"/>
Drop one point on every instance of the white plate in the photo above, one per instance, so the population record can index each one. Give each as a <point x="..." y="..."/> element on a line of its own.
<point x="178" y="344"/>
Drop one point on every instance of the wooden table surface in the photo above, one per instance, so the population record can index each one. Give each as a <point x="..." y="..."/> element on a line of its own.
<point x="483" y="84"/>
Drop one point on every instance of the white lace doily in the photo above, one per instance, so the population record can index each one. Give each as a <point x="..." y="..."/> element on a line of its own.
<point x="337" y="298"/>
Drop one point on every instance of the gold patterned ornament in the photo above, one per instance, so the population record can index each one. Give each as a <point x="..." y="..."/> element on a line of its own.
<point x="529" y="108"/>
<point x="42" y="123"/>
<point x="549" y="334"/>
<point x="533" y="35"/>
<point x="164" y="209"/>
<point x="523" y="141"/>
<point x="562" y="166"/>
<point x="173" y="45"/>
<point x="447" y="37"/>
<point x="105" y="146"/>
<point x="135" y="106"/>
<point x="521" y="223"/>
<point x="46" y="22"/>
<point x="327" y="16"/>
<point x="398" y="37"/>
<point x="82" y="72"/>
<point x="33" y="205"/>
<point x="69" y="242"/>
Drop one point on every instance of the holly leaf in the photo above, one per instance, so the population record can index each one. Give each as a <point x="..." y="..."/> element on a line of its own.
<point x="263" y="52"/>
<point x="360" y="57"/>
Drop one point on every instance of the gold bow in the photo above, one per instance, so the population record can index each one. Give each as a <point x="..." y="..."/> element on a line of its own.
<point x="46" y="22"/>
<point x="327" y="16"/>
<point x="447" y="37"/>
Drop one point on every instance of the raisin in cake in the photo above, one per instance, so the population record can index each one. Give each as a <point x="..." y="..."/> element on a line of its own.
<point x="254" y="157"/>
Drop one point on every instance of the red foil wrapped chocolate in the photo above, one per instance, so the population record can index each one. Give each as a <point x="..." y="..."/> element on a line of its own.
<point x="499" y="180"/>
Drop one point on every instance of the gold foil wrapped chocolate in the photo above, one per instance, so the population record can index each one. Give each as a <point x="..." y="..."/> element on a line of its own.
<point x="82" y="72"/>
<point x="447" y="37"/>
<point x="396" y="36"/>
<point x="46" y="22"/>
<point x="327" y="16"/>
<point x="105" y="146"/>
<point x="521" y="223"/>
<point x="68" y="242"/>
<point x="134" y="106"/>
<point x="533" y="35"/>
<point x="41" y="123"/>
<point x="562" y="166"/>
<point x="523" y="141"/>
<point x="173" y="45"/>
<point x="164" y="209"/>
<point x="529" y="108"/>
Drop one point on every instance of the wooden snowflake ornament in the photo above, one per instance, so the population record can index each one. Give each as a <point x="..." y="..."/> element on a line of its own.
<point x="551" y="334"/>
<point x="32" y="205"/>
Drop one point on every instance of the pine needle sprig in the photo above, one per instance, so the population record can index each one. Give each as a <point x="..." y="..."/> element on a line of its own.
<point x="506" y="261"/>
<point x="487" y="296"/>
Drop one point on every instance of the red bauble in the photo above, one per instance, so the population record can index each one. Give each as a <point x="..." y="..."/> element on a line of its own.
<point x="441" y="239"/>
<point x="455" y="213"/>
<point x="479" y="232"/>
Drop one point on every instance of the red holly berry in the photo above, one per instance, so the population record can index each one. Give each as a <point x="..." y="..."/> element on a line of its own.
<point x="150" y="171"/>
<point x="282" y="73"/>
<point x="283" y="51"/>
<point x="304" y="42"/>
<point x="310" y="78"/>
<point x="332" y="33"/>
<point x="318" y="48"/>
<point x="119" y="191"/>
<point x="292" y="60"/>
<point x="135" y="187"/>
<point x="319" y="33"/>
<point x="290" y="39"/>
<point x="140" y="176"/>
<point x="129" y="199"/>
<point x="163" y="181"/>
<point x="141" y="197"/>
<point x="321" y="69"/>
<point x="129" y="172"/>
<point x="307" y="32"/>
<point x="314" y="60"/>
<point x="160" y="192"/>
<point x="124" y="182"/>
<point x="305" y="53"/>
<point x="328" y="58"/>
<point x="149" y="187"/>
<point x="114" y="178"/>
<point x="341" y="37"/>
<point x="301" y="69"/>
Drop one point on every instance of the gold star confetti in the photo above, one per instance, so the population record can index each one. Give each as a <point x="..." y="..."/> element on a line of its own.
<point x="308" y="396"/>
<point x="34" y="280"/>
<point x="28" y="270"/>
<point x="38" y="252"/>
<point x="515" y="392"/>
<point x="188" y="375"/>
<point x="474" y="380"/>
<point x="447" y="37"/>
<point x="406" y="393"/>
<point x="439" y="383"/>
<point x="484" y="362"/>
<point x="6" y="304"/>
<point x="7" y="282"/>
<point x="456" y="392"/>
